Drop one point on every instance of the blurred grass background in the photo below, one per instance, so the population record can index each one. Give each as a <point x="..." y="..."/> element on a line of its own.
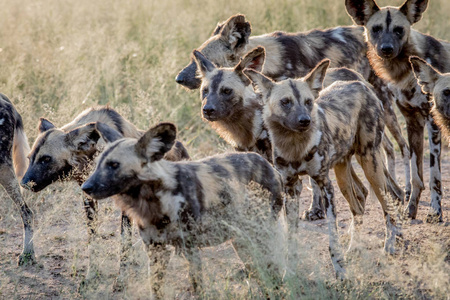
<point x="59" y="57"/>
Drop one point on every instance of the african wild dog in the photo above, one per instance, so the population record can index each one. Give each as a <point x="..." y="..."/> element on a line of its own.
<point x="171" y="200"/>
<point x="391" y="41"/>
<point x="437" y="86"/>
<point x="13" y="163"/>
<point x="313" y="131"/>
<point x="293" y="55"/>
<point x="232" y="107"/>
<point x="68" y="152"/>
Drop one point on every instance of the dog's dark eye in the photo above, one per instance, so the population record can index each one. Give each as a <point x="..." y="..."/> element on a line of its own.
<point x="226" y="91"/>
<point x="286" y="102"/>
<point x="205" y="91"/>
<point x="113" y="165"/>
<point x="446" y="92"/>
<point x="399" y="31"/>
<point x="308" y="102"/>
<point x="376" y="29"/>
<point x="45" y="159"/>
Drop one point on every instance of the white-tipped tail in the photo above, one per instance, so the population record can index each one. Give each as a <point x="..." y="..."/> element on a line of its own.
<point x="21" y="148"/>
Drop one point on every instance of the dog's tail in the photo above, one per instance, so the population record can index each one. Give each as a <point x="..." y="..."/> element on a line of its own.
<point x="21" y="148"/>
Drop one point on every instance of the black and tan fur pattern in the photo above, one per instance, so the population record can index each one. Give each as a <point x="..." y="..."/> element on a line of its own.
<point x="437" y="85"/>
<point x="13" y="164"/>
<point x="68" y="153"/>
<point x="293" y="55"/>
<point x="234" y="109"/>
<point x="312" y="133"/>
<point x="170" y="200"/>
<point x="391" y="41"/>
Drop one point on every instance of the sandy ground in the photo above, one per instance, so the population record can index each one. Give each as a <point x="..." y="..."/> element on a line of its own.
<point x="62" y="253"/>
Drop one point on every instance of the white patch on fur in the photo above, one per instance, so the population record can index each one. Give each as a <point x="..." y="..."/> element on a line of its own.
<point x="289" y="66"/>
<point x="2" y="121"/>
<point x="170" y="204"/>
<point x="161" y="169"/>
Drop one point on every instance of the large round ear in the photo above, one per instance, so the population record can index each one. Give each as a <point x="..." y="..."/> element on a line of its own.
<point x="252" y="60"/>
<point x="45" y="125"/>
<point x="109" y="134"/>
<point x="361" y="10"/>
<point x="83" y="138"/>
<point x="425" y="74"/>
<point x="236" y="30"/>
<point x="156" y="141"/>
<point x="204" y="65"/>
<point x="315" y="78"/>
<point x="413" y="9"/>
<point x="263" y="83"/>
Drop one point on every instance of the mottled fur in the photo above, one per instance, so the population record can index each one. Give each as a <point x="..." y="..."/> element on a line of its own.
<point x="171" y="200"/>
<point x="391" y="41"/>
<point x="68" y="153"/>
<point x="437" y="85"/>
<point x="13" y="163"/>
<point x="313" y="131"/>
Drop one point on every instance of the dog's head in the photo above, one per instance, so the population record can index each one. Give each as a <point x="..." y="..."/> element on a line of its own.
<point x="127" y="162"/>
<point x="289" y="103"/>
<point x="224" y="90"/>
<point x="387" y="28"/>
<point x="224" y="48"/>
<point x="55" y="153"/>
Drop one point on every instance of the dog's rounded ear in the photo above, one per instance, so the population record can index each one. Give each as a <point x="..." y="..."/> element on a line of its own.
<point x="108" y="133"/>
<point x="83" y="138"/>
<point x="236" y="31"/>
<point x="252" y="60"/>
<point x="263" y="83"/>
<point x="45" y="125"/>
<point x="204" y="64"/>
<point x="361" y="10"/>
<point x="413" y="9"/>
<point x="315" y="78"/>
<point x="425" y="74"/>
<point x="156" y="142"/>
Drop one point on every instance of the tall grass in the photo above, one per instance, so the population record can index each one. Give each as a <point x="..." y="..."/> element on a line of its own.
<point x="59" y="57"/>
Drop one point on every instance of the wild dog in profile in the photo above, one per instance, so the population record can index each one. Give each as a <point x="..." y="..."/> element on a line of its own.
<point x="170" y="200"/>
<point x="391" y="41"/>
<point x="437" y="86"/>
<point x="313" y="131"/>
<point x="293" y="55"/>
<point x="68" y="153"/>
<point x="13" y="163"/>
<point x="234" y="109"/>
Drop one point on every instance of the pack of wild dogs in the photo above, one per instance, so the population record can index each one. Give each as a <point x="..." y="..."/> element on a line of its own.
<point x="291" y="104"/>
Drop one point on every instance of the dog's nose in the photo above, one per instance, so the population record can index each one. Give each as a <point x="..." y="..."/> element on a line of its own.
<point x="208" y="110"/>
<point x="87" y="187"/>
<point x="180" y="78"/>
<point x="304" y="121"/>
<point x="387" y="49"/>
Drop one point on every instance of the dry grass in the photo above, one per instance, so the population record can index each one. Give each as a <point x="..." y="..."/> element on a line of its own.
<point x="60" y="57"/>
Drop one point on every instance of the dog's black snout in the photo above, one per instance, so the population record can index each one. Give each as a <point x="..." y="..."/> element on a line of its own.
<point x="387" y="49"/>
<point x="180" y="78"/>
<point x="208" y="110"/>
<point x="87" y="187"/>
<point x="304" y="121"/>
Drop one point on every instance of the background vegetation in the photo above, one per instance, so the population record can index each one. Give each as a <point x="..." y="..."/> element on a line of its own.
<point x="59" y="57"/>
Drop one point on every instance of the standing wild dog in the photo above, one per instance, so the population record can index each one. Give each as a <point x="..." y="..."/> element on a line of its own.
<point x="293" y="55"/>
<point x="232" y="107"/>
<point x="437" y="86"/>
<point x="391" y="41"/>
<point x="171" y="200"/>
<point x="68" y="152"/>
<point x="13" y="163"/>
<point x="312" y="133"/>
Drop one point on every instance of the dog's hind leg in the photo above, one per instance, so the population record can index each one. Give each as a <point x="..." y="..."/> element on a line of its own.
<point x="9" y="182"/>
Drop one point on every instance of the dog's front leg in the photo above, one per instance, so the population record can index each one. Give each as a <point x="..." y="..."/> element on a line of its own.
<point x="195" y="268"/>
<point x="125" y="233"/>
<point x="434" y="137"/>
<point x="159" y="257"/>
